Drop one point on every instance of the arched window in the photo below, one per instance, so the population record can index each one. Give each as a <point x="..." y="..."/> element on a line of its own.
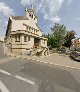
<point x="32" y="15"/>
<point x="17" y="38"/>
<point x="29" y="28"/>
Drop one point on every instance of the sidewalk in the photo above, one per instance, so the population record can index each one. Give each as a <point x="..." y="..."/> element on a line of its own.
<point x="7" y="59"/>
<point x="56" y="59"/>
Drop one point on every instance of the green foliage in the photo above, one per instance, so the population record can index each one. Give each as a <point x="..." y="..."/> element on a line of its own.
<point x="58" y="32"/>
<point x="50" y="40"/>
<point x="60" y="37"/>
<point x="68" y="38"/>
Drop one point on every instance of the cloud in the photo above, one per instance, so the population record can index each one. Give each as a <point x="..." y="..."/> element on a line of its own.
<point x="56" y="19"/>
<point x="69" y="2"/>
<point x="49" y="8"/>
<point x="0" y="21"/>
<point x="5" y="9"/>
<point x="77" y="19"/>
<point x="5" y="12"/>
<point x="25" y="2"/>
<point x="6" y="22"/>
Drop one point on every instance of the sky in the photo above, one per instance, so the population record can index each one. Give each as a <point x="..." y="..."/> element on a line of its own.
<point x="65" y="12"/>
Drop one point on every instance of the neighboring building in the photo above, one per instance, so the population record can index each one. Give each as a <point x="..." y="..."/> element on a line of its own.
<point x="76" y="44"/>
<point x="23" y="33"/>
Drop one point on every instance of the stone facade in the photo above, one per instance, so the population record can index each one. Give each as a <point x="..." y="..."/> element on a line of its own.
<point x="76" y="44"/>
<point x="23" y="33"/>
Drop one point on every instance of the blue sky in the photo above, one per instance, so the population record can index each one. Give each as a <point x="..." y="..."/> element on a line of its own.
<point x="49" y="12"/>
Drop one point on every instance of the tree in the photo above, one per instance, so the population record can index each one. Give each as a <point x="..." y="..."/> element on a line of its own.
<point x="50" y="39"/>
<point x="60" y="37"/>
<point x="59" y="31"/>
<point x="68" y="38"/>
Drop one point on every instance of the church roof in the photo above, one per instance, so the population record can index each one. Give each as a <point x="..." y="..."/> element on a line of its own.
<point x="19" y="18"/>
<point x="9" y="23"/>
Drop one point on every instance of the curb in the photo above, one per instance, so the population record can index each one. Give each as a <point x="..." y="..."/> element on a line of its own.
<point x="52" y="63"/>
<point x="46" y="62"/>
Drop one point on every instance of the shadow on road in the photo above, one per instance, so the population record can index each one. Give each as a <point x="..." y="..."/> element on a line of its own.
<point x="51" y="76"/>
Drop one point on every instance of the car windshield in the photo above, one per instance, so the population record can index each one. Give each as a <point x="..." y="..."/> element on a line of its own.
<point x="78" y="53"/>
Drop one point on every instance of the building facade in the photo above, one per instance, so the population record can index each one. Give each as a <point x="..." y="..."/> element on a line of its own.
<point x="76" y="44"/>
<point x="23" y="33"/>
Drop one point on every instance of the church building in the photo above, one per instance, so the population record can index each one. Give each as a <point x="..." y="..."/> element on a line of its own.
<point x="23" y="33"/>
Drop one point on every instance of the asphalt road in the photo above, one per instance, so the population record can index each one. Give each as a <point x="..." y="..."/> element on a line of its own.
<point x="21" y="75"/>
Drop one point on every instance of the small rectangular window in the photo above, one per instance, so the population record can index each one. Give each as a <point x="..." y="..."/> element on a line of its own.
<point x="17" y="38"/>
<point x="28" y="38"/>
<point x="32" y="15"/>
<point x="25" y="38"/>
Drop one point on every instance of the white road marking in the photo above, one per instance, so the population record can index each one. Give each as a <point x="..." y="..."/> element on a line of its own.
<point x="51" y="63"/>
<point x="28" y="58"/>
<point x="5" y="72"/>
<point x="38" y="60"/>
<point x="41" y="61"/>
<point x="46" y="62"/>
<point x="3" y="87"/>
<point x="67" y="66"/>
<point x="25" y="80"/>
<point x="18" y="77"/>
<point x="58" y="65"/>
<point x="33" y="59"/>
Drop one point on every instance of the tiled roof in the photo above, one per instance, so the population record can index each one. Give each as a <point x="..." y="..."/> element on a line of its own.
<point x="19" y="18"/>
<point x="9" y="23"/>
<point x="30" y="10"/>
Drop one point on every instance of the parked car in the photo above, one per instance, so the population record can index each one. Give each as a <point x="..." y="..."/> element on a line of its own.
<point x="75" y="55"/>
<point x="63" y="50"/>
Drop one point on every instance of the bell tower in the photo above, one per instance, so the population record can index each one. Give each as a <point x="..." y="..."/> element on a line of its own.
<point x="30" y="13"/>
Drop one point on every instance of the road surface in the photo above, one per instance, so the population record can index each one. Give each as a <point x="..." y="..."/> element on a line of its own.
<point x="22" y="75"/>
<point x="19" y="75"/>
